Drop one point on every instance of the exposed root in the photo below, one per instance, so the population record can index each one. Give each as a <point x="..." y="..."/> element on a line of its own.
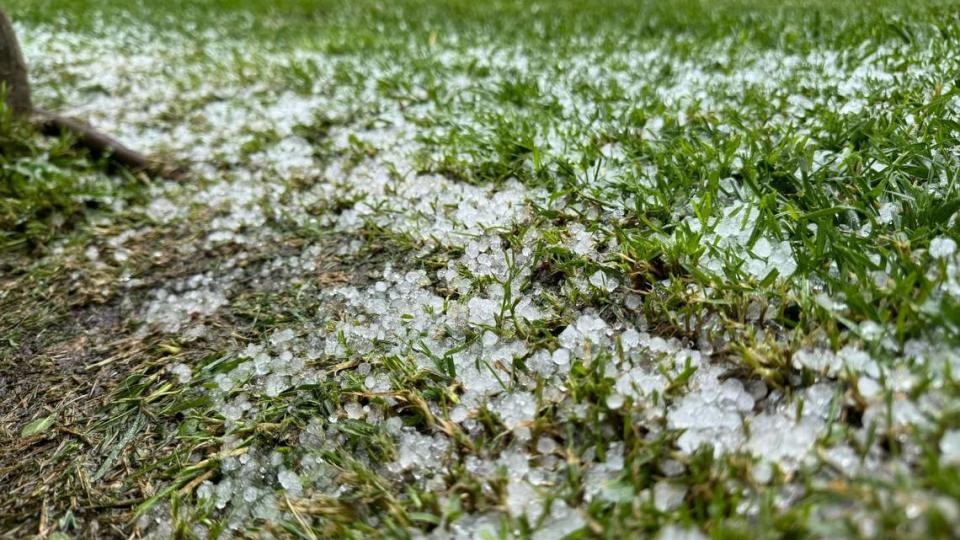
<point x="101" y="144"/>
<point x="16" y="88"/>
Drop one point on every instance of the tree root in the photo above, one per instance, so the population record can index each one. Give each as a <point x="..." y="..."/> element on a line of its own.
<point x="15" y="90"/>
<point x="100" y="144"/>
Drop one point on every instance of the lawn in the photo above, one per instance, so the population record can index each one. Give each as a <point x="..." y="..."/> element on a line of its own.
<point x="499" y="269"/>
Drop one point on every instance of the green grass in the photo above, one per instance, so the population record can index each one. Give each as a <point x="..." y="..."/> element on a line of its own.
<point x="47" y="188"/>
<point x="351" y="26"/>
<point x="145" y="446"/>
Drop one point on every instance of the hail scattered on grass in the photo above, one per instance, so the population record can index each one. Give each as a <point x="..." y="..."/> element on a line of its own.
<point x="632" y="284"/>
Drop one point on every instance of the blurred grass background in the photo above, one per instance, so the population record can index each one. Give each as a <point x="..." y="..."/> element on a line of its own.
<point x="784" y="24"/>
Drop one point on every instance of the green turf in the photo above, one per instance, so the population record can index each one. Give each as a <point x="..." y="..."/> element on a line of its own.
<point x="146" y="444"/>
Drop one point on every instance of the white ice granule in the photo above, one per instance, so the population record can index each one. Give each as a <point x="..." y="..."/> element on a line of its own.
<point x="561" y="522"/>
<point x="569" y="339"/>
<point x="516" y="409"/>
<point x="676" y="532"/>
<point x="482" y="310"/>
<point x="868" y="387"/>
<point x="729" y="237"/>
<point x="712" y="413"/>
<point x="887" y="213"/>
<point x="950" y="446"/>
<point x="614" y="401"/>
<point x="274" y="385"/>
<point x="458" y="414"/>
<point x="522" y="499"/>
<point x="420" y="452"/>
<point x="172" y="311"/>
<point x="474" y="527"/>
<point x="942" y="247"/>
<point x="290" y="156"/>
<point x="290" y="482"/>
<point x="281" y="336"/>
<point x="224" y="383"/>
<point x="591" y="327"/>
<point x="668" y="496"/>
<point x="354" y="410"/>
<point x="182" y="372"/>
<point x="582" y="242"/>
<point x="561" y="356"/>
<point x="603" y="282"/>
<point x="782" y="440"/>
<point x="630" y="339"/>
<point x="163" y="210"/>
<point x="546" y="445"/>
